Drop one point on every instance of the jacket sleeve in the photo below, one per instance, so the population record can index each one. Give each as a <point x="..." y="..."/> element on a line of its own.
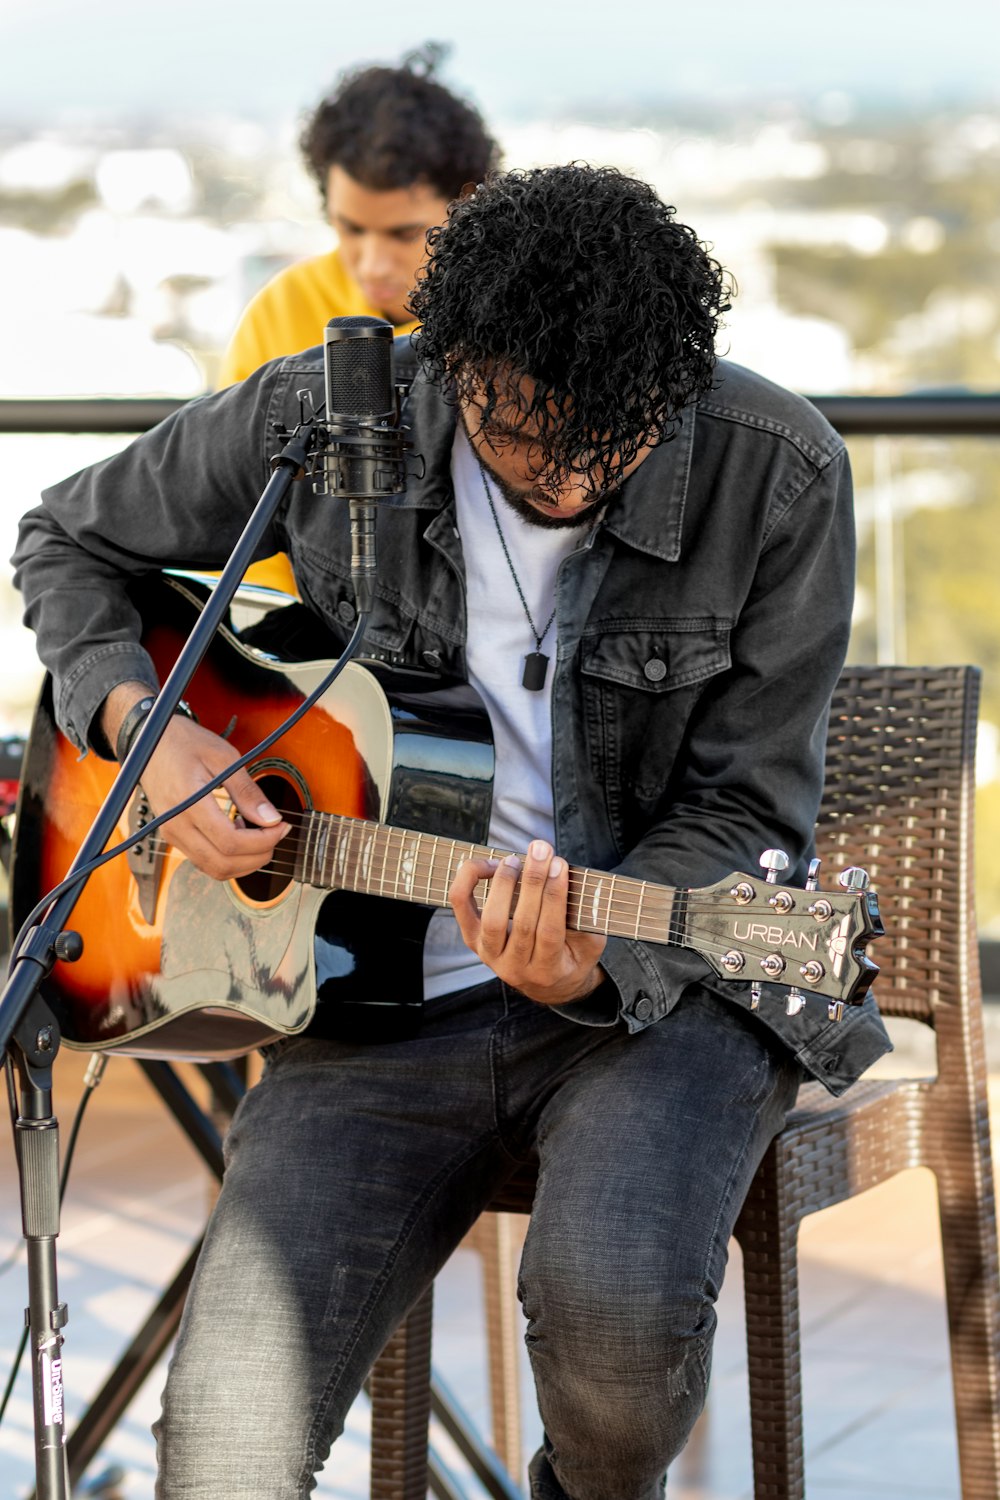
<point x="751" y="773"/>
<point x="179" y="496"/>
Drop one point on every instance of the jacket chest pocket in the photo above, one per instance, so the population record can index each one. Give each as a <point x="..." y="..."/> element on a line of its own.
<point x="641" y="681"/>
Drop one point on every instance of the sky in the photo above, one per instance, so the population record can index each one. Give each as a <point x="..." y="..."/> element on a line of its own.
<point x="534" y="58"/>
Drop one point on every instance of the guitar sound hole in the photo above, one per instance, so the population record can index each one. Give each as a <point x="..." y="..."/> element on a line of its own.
<point x="267" y="884"/>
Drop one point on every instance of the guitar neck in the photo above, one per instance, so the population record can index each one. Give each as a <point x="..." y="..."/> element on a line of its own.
<point x="353" y="854"/>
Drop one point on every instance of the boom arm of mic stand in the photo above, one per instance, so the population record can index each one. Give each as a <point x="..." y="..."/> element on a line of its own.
<point x="27" y="1025"/>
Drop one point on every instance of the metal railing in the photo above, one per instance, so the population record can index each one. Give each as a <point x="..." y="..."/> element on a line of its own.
<point x="945" y="414"/>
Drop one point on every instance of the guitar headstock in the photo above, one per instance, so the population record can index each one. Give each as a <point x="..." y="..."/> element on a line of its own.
<point x="751" y="928"/>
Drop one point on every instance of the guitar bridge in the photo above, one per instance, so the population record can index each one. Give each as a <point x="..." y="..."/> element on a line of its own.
<point x="144" y="859"/>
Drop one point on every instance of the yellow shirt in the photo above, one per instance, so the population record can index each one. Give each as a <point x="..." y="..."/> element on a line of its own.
<point x="290" y="313"/>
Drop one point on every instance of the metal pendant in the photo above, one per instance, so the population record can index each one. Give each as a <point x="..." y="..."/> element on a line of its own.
<point x="536" y="666"/>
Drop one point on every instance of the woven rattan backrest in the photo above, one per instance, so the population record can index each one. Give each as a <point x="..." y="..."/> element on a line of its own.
<point x="898" y="800"/>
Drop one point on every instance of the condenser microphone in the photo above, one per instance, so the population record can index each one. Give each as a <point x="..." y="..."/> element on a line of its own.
<point x="357" y="360"/>
<point x="365" y="458"/>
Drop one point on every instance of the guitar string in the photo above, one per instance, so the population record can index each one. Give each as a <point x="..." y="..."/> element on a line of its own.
<point x="667" y="933"/>
<point x="679" y="936"/>
<point x="623" y="896"/>
<point x="160" y="845"/>
<point x="627" y="890"/>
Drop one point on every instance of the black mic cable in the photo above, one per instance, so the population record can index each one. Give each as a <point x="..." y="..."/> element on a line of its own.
<point x="364" y="460"/>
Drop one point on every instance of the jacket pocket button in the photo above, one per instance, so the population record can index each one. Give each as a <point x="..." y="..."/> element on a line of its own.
<point x="643" y="1008"/>
<point x="432" y="659"/>
<point x="655" y="669"/>
<point x="346" y="611"/>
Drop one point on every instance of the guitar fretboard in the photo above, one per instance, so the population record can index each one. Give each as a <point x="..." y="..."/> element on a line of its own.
<point x="353" y="854"/>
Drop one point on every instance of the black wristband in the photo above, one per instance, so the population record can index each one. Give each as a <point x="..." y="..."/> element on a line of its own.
<point x="136" y="716"/>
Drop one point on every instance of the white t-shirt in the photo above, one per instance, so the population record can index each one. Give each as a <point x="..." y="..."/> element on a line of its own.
<point x="499" y="638"/>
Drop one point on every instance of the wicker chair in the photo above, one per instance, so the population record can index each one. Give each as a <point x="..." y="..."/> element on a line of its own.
<point x="898" y="801"/>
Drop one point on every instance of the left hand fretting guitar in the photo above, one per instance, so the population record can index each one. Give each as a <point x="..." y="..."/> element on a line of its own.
<point x="386" y="784"/>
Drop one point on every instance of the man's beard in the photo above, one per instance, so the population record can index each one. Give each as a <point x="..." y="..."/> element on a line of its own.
<point x="518" y="500"/>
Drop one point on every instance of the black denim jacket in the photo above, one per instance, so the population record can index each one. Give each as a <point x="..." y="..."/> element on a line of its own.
<point x="701" y="629"/>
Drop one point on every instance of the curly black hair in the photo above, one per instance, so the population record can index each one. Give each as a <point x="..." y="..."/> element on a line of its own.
<point x="392" y="127"/>
<point x="580" y="278"/>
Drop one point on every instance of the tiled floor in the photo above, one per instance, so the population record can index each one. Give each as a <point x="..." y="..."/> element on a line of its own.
<point x="879" y="1422"/>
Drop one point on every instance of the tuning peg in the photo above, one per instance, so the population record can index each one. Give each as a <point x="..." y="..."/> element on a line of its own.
<point x="755" y="994"/>
<point x="774" y="861"/>
<point x="854" y="878"/>
<point x="812" y="879"/>
<point x="835" y="1010"/>
<point x="794" y="1003"/>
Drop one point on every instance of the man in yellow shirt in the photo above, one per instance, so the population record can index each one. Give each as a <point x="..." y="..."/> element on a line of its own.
<point x="389" y="149"/>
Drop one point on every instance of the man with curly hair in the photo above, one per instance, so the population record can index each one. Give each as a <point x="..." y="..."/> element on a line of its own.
<point x="642" y="558"/>
<point x="389" y="149"/>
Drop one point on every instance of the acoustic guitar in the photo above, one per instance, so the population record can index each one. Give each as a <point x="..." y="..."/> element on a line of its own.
<point x="386" y="783"/>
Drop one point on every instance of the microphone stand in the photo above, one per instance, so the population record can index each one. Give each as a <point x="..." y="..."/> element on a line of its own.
<point x="29" y="1030"/>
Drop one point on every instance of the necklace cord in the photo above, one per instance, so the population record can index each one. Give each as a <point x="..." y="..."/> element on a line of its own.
<point x="539" y="636"/>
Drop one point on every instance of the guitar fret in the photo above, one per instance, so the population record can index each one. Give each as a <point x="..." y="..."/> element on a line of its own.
<point x="638" y="908"/>
<point x="612" y="887"/>
<point x="430" y="839"/>
<point x="611" y="924"/>
<point x="399" y="862"/>
<point x="449" y="873"/>
<point x="405" y="864"/>
<point x="369" y="859"/>
<point x="365" y="860"/>
<point x="302" y="854"/>
<point x="340" y="862"/>
<point x="588" y="917"/>
<point x="317" y="843"/>
<point x="409" y="861"/>
<point x="580" y="902"/>
<point x="315" y="847"/>
<point x="313" y="865"/>
<point x="377" y="843"/>
<point x="354" y="835"/>
<point x="400" y="879"/>
<point x="331" y="832"/>
<point x="329" y="850"/>
<point x="596" y="921"/>
<point x="422" y="866"/>
<point x="339" y="876"/>
<point x="364" y="870"/>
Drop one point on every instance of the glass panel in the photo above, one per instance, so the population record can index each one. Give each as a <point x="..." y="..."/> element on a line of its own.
<point x="928" y="512"/>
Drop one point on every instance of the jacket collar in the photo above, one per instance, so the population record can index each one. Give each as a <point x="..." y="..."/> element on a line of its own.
<point x="649" y="515"/>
